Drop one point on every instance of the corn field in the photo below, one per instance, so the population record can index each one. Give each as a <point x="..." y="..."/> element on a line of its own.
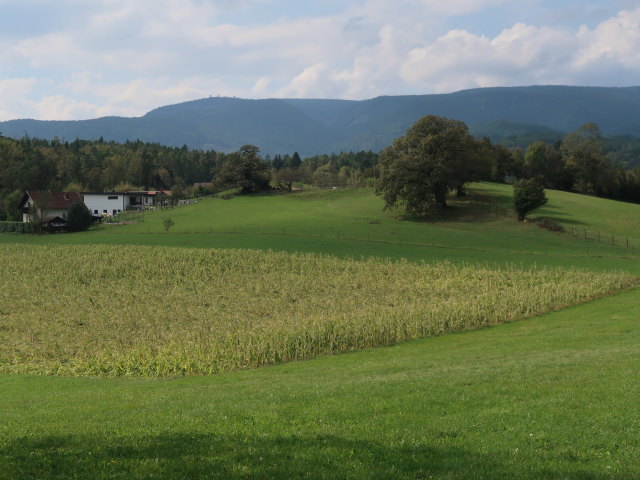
<point x="160" y="311"/>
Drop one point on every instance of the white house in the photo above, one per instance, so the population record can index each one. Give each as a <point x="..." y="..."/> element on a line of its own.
<point x="112" y="203"/>
<point x="142" y="200"/>
<point x="47" y="207"/>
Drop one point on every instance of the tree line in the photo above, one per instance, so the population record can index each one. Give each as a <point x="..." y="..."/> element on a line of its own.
<point x="98" y="165"/>
<point x="576" y="163"/>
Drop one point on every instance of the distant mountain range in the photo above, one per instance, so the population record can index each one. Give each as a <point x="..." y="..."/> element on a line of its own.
<point x="507" y="115"/>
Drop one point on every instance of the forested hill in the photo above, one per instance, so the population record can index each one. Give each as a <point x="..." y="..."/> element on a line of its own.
<point x="313" y="126"/>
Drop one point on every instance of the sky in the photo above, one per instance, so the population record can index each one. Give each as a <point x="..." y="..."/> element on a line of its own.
<point x="79" y="59"/>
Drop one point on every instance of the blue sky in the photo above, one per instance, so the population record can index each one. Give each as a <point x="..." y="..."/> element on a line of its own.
<point x="77" y="59"/>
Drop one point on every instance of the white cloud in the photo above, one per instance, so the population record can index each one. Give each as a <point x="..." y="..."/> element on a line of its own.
<point x="460" y="7"/>
<point x="313" y="81"/>
<point x="12" y="94"/>
<point x="55" y="50"/>
<point x="374" y="70"/>
<point x="261" y="86"/>
<point x="123" y="57"/>
<point x="617" y="39"/>
<point x="62" y="108"/>
<point x="525" y="54"/>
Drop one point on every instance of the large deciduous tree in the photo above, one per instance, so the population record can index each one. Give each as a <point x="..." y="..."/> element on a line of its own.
<point x="544" y="162"/>
<point x="583" y="154"/>
<point x="420" y="168"/>
<point x="10" y="206"/>
<point x="244" y="169"/>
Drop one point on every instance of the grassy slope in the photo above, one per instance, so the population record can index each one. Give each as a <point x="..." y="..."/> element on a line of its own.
<point x="552" y="397"/>
<point x="555" y="397"/>
<point x="352" y="223"/>
<point x="582" y="211"/>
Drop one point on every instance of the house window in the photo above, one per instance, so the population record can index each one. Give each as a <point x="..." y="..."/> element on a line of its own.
<point x="95" y="212"/>
<point x="104" y="211"/>
<point x="112" y="197"/>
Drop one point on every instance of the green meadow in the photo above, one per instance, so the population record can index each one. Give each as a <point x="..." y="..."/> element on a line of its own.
<point x="351" y="223"/>
<point x="552" y="396"/>
<point x="581" y="211"/>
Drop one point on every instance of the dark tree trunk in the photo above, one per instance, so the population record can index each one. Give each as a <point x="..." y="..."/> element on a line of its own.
<point x="441" y="197"/>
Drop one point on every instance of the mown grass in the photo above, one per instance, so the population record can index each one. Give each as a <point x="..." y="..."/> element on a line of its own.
<point x="554" y="397"/>
<point x="582" y="211"/>
<point x="351" y="223"/>
<point x="159" y="311"/>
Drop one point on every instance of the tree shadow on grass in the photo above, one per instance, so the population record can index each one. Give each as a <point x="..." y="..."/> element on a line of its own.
<point x="567" y="222"/>
<point x="178" y="456"/>
<point x="456" y="212"/>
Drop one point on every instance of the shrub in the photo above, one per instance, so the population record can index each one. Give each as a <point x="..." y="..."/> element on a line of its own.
<point x="528" y="194"/>
<point x="78" y="218"/>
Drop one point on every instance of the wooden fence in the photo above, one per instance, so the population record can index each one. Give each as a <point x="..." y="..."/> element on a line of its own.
<point x="623" y="241"/>
<point x="601" y="237"/>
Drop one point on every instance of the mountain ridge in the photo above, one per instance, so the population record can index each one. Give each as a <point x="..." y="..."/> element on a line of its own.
<point x="316" y="126"/>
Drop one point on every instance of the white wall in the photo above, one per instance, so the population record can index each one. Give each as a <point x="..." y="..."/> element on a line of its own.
<point x="110" y="203"/>
<point x="46" y="213"/>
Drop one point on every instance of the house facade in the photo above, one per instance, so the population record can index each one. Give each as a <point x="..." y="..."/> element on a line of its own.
<point x="112" y="203"/>
<point x="143" y="200"/>
<point x="52" y="207"/>
<point x="100" y="204"/>
<point x="47" y="207"/>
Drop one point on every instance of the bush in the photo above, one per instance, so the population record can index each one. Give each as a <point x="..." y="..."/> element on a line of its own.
<point x="17" y="227"/>
<point x="78" y="218"/>
<point x="528" y="194"/>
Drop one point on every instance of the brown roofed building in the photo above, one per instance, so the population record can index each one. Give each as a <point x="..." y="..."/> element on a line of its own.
<point x="46" y="206"/>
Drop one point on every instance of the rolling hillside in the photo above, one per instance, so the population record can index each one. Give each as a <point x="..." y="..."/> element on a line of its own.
<point x="550" y="397"/>
<point x="352" y="223"/>
<point x="313" y="126"/>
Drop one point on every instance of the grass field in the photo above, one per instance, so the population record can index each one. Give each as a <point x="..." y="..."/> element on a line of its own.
<point x="351" y="223"/>
<point x="582" y="211"/>
<point x="550" y="397"/>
